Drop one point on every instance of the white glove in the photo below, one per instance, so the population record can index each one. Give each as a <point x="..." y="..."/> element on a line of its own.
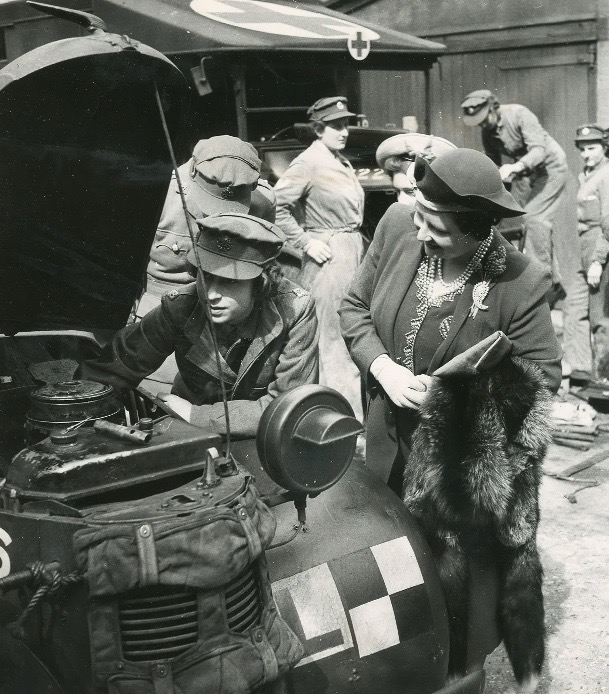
<point x="594" y="274"/>
<point x="508" y="171"/>
<point x="401" y="385"/>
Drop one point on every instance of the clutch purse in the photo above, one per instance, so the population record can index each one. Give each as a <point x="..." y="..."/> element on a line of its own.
<point x="482" y="356"/>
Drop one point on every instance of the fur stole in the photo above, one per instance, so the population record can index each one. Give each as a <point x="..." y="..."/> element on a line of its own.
<point x="472" y="480"/>
<point x="475" y="461"/>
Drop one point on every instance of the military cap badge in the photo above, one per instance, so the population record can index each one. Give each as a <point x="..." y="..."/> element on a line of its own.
<point x="224" y="243"/>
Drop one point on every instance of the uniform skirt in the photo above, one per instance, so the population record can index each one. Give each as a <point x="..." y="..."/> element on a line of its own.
<point x="328" y="285"/>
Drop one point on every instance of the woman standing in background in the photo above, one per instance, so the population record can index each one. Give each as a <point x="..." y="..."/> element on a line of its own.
<point x="587" y="306"/>
<point x="320" y="208"/>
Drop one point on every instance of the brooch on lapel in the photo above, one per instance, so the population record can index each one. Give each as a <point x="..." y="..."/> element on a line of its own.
<point x="492" y="267"/>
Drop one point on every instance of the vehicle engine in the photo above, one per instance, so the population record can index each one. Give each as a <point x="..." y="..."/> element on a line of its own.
<point x="139" y="523"/>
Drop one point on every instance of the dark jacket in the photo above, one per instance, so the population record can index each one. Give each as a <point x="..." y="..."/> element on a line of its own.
<point x="282" y="355"/>
<point x="516" y="301"/>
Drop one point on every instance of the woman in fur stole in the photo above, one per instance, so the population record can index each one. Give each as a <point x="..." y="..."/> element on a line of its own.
<point x="468" y="441"/>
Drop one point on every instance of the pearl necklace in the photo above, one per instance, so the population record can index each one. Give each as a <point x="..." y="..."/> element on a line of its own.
<point x="429" y="268"/>
<point x="450" y="289"/>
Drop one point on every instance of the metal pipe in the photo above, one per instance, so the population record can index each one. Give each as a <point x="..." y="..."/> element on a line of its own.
<point x="118" y="431"/>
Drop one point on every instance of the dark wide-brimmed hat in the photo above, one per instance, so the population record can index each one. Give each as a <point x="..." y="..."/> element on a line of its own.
<point x="463" y="180"/>
<point x="236" y="246"/>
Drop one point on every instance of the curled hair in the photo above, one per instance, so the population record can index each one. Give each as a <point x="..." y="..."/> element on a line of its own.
<point x="268" y="282"/>
<point x="398" y="163"/>
<point x="318" y="127"/>
<point x="476" y="224"/>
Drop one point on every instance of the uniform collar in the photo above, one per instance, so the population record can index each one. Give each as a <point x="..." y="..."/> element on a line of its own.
<point x="263" y="327"/>
<point x="602" y="163"/>
<point x="324" y="152"/>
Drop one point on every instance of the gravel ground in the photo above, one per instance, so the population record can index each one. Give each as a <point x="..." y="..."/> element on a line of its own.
<point x="573" y="540"/>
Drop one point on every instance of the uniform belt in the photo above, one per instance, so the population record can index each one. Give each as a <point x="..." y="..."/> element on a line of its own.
<point x="334" y="230"/>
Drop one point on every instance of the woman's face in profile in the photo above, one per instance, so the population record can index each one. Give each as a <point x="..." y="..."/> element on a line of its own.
<point x="441" y="235"/>
<point x="335" y="134"/>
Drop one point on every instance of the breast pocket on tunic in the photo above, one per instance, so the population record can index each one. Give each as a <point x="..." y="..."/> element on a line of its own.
<point x="169" y="251"/>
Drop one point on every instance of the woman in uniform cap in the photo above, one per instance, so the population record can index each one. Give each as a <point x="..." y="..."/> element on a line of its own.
<point x="396" y="156"/>
<point x="320" y="207"/>
<point x="265" y="325"/>
<point x="220" y="177"/>
<point x="468" y="449"/>
<point x="587" y="304"/>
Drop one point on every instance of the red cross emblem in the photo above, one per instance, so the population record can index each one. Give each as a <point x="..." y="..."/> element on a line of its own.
<point x="359" y="47"/>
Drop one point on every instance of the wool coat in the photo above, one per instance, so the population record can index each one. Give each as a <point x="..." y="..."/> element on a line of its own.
<point x="281" y="355"/>
<point x="516" y="305"/>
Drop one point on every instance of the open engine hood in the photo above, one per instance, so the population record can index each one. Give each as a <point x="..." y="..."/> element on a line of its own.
<point x="84" y="169"/>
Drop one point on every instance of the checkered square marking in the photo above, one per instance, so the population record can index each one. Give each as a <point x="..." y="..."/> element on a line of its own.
<point x="398" y="564"/>
<point x="412" y="612"/>
<point x="358" y="578"/>
<point x="374" y="598"/>
<point x="374" y="626"/>
<point x="310" y="603"/>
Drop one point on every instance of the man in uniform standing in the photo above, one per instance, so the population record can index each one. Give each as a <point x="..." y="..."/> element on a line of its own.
<point x="538" y="172"/>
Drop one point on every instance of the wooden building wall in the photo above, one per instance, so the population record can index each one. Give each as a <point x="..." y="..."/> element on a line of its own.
<point x="556" y="83"/>
<point x="544" y="55"/>
<point x="426" y="17"/>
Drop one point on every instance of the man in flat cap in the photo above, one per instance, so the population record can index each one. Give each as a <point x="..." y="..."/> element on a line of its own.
<point x="538" y="170"/>
<point x="265" y="326"/>
<point x="586" y="311"/>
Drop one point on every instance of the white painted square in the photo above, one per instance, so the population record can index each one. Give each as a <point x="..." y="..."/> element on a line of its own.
<point x="319" y="607"/>
<point x="397" y="564"/>
<point x="374" y="626"/>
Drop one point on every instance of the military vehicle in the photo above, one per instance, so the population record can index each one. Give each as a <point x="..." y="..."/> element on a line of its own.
<point x="137" y="555"/>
